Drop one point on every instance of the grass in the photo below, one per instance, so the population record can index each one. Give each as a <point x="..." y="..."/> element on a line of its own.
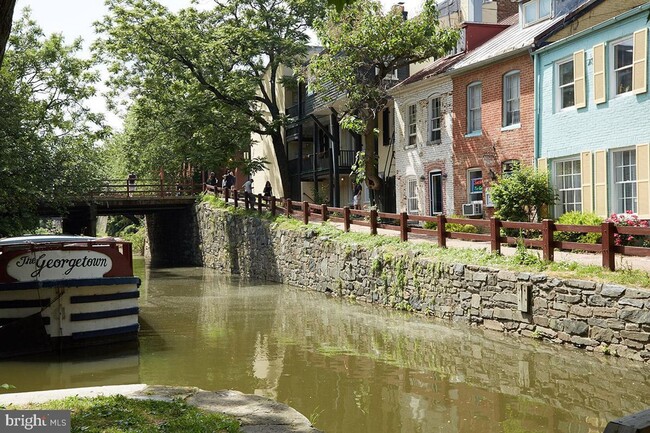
<point x="118" y="414"/>
<point x="526" y="260"/>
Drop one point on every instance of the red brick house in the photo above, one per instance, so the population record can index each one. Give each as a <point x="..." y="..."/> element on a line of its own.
<point x="494" y="113"/>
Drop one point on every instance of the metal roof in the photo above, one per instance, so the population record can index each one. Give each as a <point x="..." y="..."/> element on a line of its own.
<point x="510" y="41"/>
<point x="437" y="67"/>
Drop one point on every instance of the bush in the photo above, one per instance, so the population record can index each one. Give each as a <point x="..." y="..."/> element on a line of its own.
<point x="579" y="219"/>
<point x="523" y="195"/>
<point x="452" y="227"/>
<point x="628" y="219"/>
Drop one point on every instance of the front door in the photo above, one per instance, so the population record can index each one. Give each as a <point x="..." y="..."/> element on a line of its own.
<point x="435" y="192"/>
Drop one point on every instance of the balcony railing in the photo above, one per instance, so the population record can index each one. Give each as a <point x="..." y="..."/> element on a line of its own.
<point x="322" y="159"/>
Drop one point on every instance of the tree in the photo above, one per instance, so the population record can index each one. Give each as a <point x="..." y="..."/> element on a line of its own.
<point x="362" y="46"/>
<point x="6" y="18"/>
<point x="229" y="58"/>
<point x="47" y="133"/>
<point x="523" y="195"/>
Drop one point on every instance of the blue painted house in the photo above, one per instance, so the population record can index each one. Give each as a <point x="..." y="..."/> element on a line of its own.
<point x="593" y="109"/>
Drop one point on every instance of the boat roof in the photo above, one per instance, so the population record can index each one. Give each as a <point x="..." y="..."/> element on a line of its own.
<point x="45" y="239"/>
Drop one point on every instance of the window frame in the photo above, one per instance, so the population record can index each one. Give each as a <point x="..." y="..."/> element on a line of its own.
<point x="470" y="194"/>
<point x="412" y="196"/>
<point x="538" y="17"/>
<point x="412" y="116"/>
<point x="559" y="87"/>
<point x="474" y="113"/>
<point x="508" y="99"/>
<point x="432" y="119"/>
<point x="615" y="195"/>
<point x="613" y="72"/>
<point x="562" y="205"/>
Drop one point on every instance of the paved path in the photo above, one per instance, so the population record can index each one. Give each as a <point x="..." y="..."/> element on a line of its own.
<point x="622" y="262"/>
<point x="256" y="414"/>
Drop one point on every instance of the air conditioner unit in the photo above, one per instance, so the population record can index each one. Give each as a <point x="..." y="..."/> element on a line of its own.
<point x="473" y="209"/>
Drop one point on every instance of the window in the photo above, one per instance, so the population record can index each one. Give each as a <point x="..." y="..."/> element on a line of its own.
<point x="509" y="166"/>
<point x="565" y="90"/>
<point x="536" y="10"/>
<point x="412" y="124"/>
<point x="474" y="108"/>
<point x="568" y="180"/>
<point x="474" y="184"/>
<point x="624" y="181"/>
<point x="511" y="98"/>
<point x="621" y="66"/>
<point x="412" y="197"/>
<point x="436" y="120"/>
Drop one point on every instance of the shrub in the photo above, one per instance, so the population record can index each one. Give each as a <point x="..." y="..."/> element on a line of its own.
<point x="452" y="227"/>
<point x="523" y="195"/>
<point x="579" y="219"/>
<point x="628" y="219"/>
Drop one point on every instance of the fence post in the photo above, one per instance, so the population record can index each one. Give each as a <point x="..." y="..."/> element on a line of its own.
<point x="288" y="209"/>
<point x="495" y="235"/>
<point x="323" y="212"/>
<point x="547" y="240"/>
<point x="226" y="194"/>
<point x="162" y="188"/>
<point x="403" y="227"/>
<point x="373" y="221"/>
<point x="305" y="212"/>
<point x="607" y="231"/>
<point x="259" y="203"/>
<point x="442" y="233"/>
<point x="235" y="196"/>
<point x="273" y="206"/>
<point x="346" y="219"/>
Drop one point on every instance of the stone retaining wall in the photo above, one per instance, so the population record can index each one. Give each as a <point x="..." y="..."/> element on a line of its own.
<point x="595" y="316"/>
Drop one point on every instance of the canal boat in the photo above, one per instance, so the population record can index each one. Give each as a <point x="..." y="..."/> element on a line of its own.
<point x="59" y="292"/>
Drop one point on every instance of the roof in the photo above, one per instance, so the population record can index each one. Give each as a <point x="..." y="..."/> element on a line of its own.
<point x="510" y="41"/>
<point x="437" y="67"/>
<point x="41" y="239"/>
<point x="516" y="39"/>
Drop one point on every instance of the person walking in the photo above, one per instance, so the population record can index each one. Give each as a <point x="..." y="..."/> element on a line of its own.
<point x="356" y="200"/>
<point x="211" y="184"/>
<point x="248" y="193"/>
<point x="130" y="181"/>
<point x="268" y="191"/>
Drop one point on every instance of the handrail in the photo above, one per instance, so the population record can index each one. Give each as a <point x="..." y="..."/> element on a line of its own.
<point x="487" y="230"/>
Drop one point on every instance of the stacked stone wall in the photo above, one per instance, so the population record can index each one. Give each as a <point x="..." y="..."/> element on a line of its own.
<point x="594" y="316"/>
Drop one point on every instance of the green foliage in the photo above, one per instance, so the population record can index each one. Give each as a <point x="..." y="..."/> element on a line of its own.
<point x="119" y="414"/>
<point x="522" y="195"/>
<point x="203" y="80"/>
<point x="130" y="229"/>
<point x="364" y="45"/>
<point x="524" y="257"/>
<point x="7" y="386"/>
<point x="48" y="134"/>
<point x="582" y="219"/>
<point x="451" y="227"/>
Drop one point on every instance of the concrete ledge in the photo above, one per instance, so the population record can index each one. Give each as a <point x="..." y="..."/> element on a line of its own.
<point x="255" y="413"/>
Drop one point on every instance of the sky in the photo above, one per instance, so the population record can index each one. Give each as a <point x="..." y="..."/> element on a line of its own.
<point x="74" y="18"/>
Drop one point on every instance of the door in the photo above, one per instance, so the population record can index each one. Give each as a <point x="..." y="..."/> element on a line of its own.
<point x="435" y="192"/>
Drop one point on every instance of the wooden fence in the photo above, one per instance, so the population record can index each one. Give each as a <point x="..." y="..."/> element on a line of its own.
<point x="488" y="230"/>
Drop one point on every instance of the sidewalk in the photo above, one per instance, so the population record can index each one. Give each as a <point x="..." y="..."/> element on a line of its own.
<point x="622" y="262"/>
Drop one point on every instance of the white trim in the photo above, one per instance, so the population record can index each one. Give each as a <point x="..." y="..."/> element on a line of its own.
<point x="613" y="199"/>
<point x="412" y="182"/>
<point x="611" y="72"/>
<point x="557" y="94"/>
<point x="504" y="114"/>
<point x="471" y="197"/>
<point x="430" y="120"/>
<point x="559" y="207"/>
<point x="471" y="128"/>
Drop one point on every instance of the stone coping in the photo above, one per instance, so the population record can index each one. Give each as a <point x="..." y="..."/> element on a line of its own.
<point x="255" y="413"/>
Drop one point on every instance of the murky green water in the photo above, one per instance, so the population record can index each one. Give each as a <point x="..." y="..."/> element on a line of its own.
<point x="349" y="368"/>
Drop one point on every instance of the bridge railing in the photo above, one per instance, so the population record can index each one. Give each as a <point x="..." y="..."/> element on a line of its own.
<point x="114" y="188"/>
<point x="494" y="231"/>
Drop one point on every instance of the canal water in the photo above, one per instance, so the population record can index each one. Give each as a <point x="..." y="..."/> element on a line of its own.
<point x="349" y="368"/>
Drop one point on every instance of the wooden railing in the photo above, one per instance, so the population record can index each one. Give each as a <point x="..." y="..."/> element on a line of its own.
<point x="141" y="189"/>
<point x="489" y="230"/>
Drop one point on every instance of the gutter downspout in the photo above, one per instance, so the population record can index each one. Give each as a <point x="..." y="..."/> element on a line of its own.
<point x="536" y="91"/>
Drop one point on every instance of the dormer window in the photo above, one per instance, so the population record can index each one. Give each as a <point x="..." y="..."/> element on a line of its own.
<point x="535" y="10"/>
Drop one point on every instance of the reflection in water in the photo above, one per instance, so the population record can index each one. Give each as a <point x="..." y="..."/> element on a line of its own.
<point x="351" y="368"/>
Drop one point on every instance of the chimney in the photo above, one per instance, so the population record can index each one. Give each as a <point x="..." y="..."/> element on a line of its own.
<point x="399" y="7"/>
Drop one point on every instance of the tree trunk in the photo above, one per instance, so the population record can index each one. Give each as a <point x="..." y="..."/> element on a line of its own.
<point x="283" y="163"/>
<point x="372" y="179"/>
<point x="6" y="17"/>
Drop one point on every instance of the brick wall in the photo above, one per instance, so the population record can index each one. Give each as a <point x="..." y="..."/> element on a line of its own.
<point x="506" y="8"/>
<point x="495" y="145"/>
